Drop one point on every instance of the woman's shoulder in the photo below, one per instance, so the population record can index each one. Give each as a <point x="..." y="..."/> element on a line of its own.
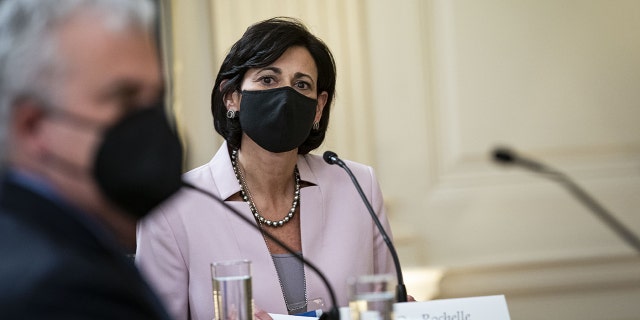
<point x="198" y="173"/>
<point x="208" y="172"/>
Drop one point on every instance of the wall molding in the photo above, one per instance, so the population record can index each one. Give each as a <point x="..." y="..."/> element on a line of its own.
<point x="593" y="288"/>
<point x="543" y="277"/>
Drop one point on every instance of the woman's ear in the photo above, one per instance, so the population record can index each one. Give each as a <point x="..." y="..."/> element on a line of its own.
<point x="232" y="101"/>
<point x="322" y="101"/>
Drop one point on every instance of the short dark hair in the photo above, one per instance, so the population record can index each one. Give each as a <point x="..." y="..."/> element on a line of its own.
<point x="261" y="45"/>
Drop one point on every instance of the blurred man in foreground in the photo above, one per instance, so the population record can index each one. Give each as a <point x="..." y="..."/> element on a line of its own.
<point x="85" y="151"/>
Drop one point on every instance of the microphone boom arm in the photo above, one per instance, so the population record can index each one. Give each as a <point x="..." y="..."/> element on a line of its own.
<point x="607" y="218"/>
<point x="506" y="156"/>
<point x="401" y="290"/>
<point x="333" y="312"/>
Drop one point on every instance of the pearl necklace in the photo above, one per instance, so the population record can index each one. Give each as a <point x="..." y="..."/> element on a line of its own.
<point x="246" y="195"/>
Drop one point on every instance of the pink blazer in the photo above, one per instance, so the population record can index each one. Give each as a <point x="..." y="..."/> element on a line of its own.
<point x="177" y="243"/>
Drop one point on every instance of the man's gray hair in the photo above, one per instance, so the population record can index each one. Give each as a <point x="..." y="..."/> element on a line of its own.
<point x="29" y="62"/>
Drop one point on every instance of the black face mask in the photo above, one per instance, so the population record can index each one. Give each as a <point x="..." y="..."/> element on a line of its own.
<point x="278" y="120"/>
<point x="139" y="162"/>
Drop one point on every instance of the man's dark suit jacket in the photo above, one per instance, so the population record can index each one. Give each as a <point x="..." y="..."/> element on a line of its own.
<point x="54" y="266"/>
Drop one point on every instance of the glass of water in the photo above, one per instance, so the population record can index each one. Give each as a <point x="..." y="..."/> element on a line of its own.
<point x="232" y="295"/>
<point x="371" y="297"/>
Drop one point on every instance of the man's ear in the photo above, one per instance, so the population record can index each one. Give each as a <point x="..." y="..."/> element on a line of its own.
<point x="27" y="118"/>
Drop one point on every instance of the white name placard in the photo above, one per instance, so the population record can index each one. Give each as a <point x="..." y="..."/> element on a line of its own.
<point x="473" y="308"/>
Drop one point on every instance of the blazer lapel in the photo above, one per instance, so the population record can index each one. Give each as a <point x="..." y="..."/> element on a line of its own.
<point x="312" y="222"/>
<point x="249" y="241"/>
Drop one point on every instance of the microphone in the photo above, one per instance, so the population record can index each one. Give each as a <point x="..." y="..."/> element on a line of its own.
<point x="333" y="313"/>
<point x="506" y="156"/>
<point x="331" y="157"/>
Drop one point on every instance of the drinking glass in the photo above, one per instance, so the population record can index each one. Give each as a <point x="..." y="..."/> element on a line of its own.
<point x="371" y="297"/>
<point x="232" y="295"/>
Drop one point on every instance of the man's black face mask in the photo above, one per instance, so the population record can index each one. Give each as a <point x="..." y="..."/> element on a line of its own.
<point x="138" y="164"/>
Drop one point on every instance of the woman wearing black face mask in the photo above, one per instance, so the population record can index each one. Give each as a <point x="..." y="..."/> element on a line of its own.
<point x="271" y="102"/>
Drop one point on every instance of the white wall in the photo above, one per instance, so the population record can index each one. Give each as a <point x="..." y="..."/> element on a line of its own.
<point x="426" y="89"/>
